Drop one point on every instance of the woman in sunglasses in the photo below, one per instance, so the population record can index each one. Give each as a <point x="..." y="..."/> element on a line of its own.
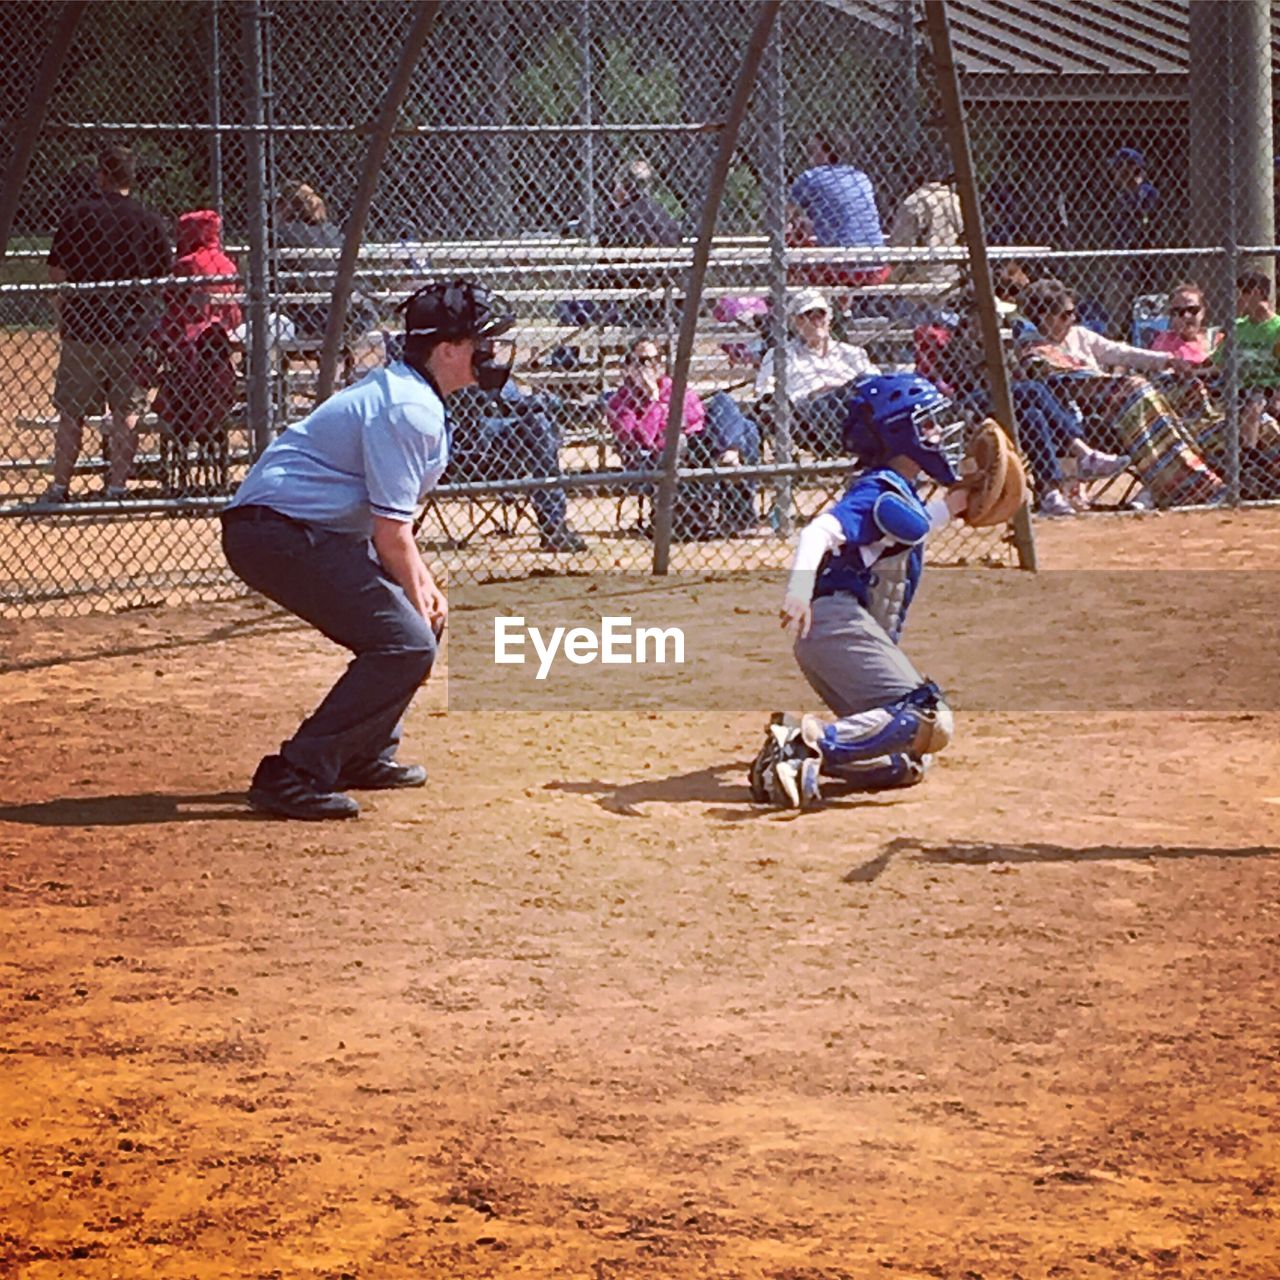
<point x="1187" y="337"/>
<point x="715" y="433"/>
<point x="1120" y="408"/>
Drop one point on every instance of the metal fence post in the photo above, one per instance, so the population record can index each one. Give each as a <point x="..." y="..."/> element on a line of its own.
<point x="497" y="15"/>
<point x="1231" y="249"/>
<point x="24" y="143"/>
<point x="766" y="14"/>
<point x="258" y="377"/>
<point x="975" y="237"/>
<point x="423" y="20"/>
<point x="1210" y="101"/>
<point x="588" y="135"/>
<point x="773" y="169"/>
<point x="215" y="106"/>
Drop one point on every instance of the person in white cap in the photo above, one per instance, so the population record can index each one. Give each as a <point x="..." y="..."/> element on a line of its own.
<point x="820" y="374"/>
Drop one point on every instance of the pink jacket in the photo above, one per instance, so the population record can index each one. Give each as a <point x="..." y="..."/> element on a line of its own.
<point x="639" y="421"/>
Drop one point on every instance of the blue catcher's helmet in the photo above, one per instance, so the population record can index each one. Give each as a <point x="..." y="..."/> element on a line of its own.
<point x="903" y="413"/>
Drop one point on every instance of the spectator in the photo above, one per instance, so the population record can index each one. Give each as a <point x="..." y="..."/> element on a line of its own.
<point x="1004" y="215"/>
<point x="1132" y="214"/>
<point x="820" y="374"/>
<point x="196" y="374"/>
<point x="109" y="236"/>
<point x="302" y="222"/>
<point x="1257" y="333"/>
<point x="1135" y="206"/>
<point x="834" y="204"/>
<point x="1124" y="408"/>
<point x="717" y="433"/>
<point x="1050" y="306"/>
<point x="1047" y="428"/>
<point x="1257" y="337"/>
<point x="1186" y="337"/>
<point x="1008" y="283"/>
<point x="929" y="218"/>
<point x="636" y="218"/>
<point x="507" y="435"/>
<point x="1189" y="338"/>
<point x="192" y="308"/>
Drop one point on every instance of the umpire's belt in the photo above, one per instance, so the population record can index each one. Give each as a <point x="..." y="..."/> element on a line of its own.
<point x="258" y="515"/>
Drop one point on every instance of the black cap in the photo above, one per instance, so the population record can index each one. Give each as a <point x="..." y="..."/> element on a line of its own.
<point x="453" y="309"/>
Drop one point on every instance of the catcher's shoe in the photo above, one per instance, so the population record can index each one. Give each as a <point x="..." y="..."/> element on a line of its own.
<point x="280" y="789"/>
<point x="810" y="782"/>
<point x="800" y="780"/>
<point x="811" y="730"/>
<point x="781" y="742"/>
<point x="914" y="769"/>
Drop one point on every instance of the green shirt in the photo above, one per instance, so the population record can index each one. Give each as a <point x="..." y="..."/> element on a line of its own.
<point x="1257" y="350"/>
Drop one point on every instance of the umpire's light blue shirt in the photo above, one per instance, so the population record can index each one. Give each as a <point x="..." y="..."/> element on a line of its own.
<point x="374" y="449"/>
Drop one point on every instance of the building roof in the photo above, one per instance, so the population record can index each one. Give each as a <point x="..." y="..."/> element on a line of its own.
<point x="1023" y="48"/>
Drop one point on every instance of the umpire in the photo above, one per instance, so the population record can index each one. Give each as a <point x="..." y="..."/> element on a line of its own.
<point x="323" y="525"/>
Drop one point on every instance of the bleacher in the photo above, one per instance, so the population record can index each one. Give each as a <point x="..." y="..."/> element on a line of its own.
<point x="574" y="320"/>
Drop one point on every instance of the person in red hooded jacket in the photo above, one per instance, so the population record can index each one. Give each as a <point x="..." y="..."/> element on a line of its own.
<point x="197" y="380"/>
<point x="190" y="309"/>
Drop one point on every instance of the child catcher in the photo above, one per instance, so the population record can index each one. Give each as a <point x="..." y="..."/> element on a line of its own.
<point x="856" y="569"/>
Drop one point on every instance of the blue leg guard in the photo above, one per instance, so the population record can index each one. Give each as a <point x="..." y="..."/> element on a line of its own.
<point x="919" y="724"/>
<point x="886" y="773"/>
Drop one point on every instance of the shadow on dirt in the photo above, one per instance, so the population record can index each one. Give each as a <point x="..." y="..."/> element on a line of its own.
<point x="131" y="811"/>
<point x="719" y="785"/>
<point x="716" y="784"/>
<point x="277" y="623"/>
<point x="977" y="853"/>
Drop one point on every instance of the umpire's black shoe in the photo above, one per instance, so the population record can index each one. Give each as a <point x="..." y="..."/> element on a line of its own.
<point x="280" y="789"/>
<point x="381" y="775"/>
<point x="561" y="538"/>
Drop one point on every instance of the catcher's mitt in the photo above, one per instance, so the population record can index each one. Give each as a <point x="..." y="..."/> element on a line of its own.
<point x="995" y="475"/>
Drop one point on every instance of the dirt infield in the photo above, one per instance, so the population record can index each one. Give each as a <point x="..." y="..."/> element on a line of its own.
<point x="577" y="1010"/>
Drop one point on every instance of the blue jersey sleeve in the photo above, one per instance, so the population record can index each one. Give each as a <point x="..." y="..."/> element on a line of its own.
<point x="404" y="456"/>
<point x="855" y="513"/>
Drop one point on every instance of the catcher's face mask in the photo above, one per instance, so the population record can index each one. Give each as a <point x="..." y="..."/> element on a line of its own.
<point x="904" y="415"/>
<point x="939" y="429"/>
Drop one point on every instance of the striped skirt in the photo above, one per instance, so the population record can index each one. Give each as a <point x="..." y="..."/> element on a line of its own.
<point x="1148" y="428"/>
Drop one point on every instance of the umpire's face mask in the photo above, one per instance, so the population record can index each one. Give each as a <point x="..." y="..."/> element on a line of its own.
<point x="491" y="362"/>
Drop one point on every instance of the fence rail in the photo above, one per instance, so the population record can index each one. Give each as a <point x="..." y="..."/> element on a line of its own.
<point x="561" y="151"/>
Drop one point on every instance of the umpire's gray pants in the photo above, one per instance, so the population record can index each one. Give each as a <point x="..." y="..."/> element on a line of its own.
<point x="332" y="581"/>
<point x="849" y="659"/>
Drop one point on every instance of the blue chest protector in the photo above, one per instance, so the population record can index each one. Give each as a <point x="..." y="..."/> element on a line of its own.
<point x="880" y="510"/>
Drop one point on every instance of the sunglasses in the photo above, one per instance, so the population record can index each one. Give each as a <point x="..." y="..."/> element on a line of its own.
<point x="1185" y="311"/>
<point x="815" y="313"/>
<point x="646" y="359"/>
<point x="1068" y="313"/>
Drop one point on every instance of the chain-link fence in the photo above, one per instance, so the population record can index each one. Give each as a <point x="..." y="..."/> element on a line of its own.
<point x="562" y="152"/>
